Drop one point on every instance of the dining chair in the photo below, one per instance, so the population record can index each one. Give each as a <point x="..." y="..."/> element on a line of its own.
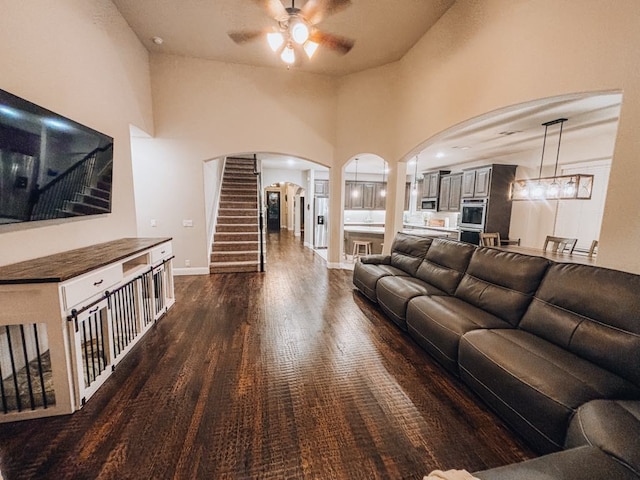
<point x="560" y="244"/>
<point x="490" y="239"/>
<point x="593" y="249"/>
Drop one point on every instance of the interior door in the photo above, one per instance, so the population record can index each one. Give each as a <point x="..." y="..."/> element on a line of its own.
<point x="273" y="211"/>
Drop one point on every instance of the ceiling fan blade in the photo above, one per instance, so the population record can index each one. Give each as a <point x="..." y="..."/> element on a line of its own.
<point x="341" y="45"/>
<point x="315" y="10"/>
<point x="244" y="36"/>
<point x="274" y="8"/>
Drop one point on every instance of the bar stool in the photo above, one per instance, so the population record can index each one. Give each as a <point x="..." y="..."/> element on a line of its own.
<point x="356" y="249"/>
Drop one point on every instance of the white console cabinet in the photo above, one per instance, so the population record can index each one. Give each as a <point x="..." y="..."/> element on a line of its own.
<point x="66" y="320"/>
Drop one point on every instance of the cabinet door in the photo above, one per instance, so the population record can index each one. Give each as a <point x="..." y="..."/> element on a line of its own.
<point x="445" y="188"/>
<point x="421" y="192"/>
<point x="455" y="193"/>
<point x="380" y="200"/>
<point x="321" y="187"/>
<point x="368" y="196"/>
<point x="468" y="183"/>
<point x="407" y="196"/>
<point x="355" y="196"/>
<point x="431" y="184"/>
<point x="483" y="180"/>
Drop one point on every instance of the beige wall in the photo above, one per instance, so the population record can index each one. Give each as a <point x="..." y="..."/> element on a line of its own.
<point x="486" y="55"/>
<point x="80" y="59"/>
<point x="481" y="56"/>
<point x="205" y="109"/>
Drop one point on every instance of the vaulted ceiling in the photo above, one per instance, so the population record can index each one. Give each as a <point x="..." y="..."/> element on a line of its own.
<point x="383" y="30"/>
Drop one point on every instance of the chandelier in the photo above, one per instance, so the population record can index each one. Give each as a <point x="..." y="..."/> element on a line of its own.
<point x="559" y="187"/>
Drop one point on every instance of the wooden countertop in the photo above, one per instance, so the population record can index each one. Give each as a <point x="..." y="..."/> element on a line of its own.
<point x="65" y="265"/>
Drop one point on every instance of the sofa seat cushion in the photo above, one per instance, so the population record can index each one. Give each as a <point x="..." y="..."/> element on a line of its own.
<point x="533" y="384"/>
<point x="611" y="425"/>
<point x="584" y="463"/>
<point x="591" y="312"/>
<point x="395" y="292"/>
<point x="438" y="322"/>
<point x="366" y="276"/>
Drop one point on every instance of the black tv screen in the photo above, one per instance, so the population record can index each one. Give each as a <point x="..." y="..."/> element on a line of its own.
<point x="50" y="167"/>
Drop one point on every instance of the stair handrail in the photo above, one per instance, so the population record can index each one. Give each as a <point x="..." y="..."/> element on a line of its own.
<point x="51" y="207"/>
<point x="260" y="211"/>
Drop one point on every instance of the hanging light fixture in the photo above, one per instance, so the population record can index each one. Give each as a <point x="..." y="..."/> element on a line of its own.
<point x="288" y="55"/>
<point x="383" y="191"/>
<point x="414" y="191"/>
<point x="354" y="191"/>
<point x="559" y="187"/>
<point x="295" y="32"/>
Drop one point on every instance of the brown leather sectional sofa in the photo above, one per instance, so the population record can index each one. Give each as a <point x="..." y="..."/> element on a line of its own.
<point x="553" y="348"/>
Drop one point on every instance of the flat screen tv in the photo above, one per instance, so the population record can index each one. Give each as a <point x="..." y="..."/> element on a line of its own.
<point x="50" y="167"/>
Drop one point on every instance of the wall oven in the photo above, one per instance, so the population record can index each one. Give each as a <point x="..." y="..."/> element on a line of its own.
<point x="472" y="214"/>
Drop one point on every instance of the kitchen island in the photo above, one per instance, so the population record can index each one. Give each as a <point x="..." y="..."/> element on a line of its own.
<point x="375" y="235"/>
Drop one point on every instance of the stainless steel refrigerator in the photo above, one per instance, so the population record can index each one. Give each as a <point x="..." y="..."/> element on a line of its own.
<point x="320" y="222"/>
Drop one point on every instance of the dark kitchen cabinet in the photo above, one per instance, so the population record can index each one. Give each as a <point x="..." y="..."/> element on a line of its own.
<point x="450" y="193"/>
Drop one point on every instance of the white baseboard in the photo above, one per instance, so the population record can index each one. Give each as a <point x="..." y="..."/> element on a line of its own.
<point x="191" y="271"/>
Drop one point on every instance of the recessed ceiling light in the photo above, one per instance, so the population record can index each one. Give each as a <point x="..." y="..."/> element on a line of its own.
<point x="439" y="155"/>
<point x="157" y="40"/>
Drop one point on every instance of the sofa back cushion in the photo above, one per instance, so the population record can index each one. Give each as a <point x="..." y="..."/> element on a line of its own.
<point x="502" y="283"/>
<point x="592" y="312"/>
<point x="445" y="263"/>
<point x="408" y="251"/>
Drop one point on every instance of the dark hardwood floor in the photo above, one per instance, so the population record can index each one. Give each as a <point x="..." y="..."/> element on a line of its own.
<point x="283" y="375"/>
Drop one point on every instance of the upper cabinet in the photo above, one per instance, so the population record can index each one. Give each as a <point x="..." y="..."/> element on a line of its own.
<point x="321" y="187"/>
<point x="476" y="183"/>
<point x="364" y="196"/>
<point x="431" y="185"/>
<point x="450" y="193"/>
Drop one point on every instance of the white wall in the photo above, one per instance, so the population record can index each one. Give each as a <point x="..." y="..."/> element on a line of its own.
<point x="78" y="58"/>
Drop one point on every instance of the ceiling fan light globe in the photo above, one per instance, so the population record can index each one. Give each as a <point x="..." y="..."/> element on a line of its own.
<point x="288" y="55"/>
<point x="310" y="48"/>
<point x="299" y="32"/>
<point x="275" y="40"/>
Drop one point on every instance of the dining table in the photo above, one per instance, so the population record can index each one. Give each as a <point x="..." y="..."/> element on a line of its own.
<point x="581" y="258"/>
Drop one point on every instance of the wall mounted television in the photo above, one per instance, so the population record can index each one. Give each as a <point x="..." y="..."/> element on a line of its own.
<point x="50" y="166"/>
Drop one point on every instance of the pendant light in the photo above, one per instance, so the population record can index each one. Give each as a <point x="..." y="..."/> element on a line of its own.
<point x="559" y="187"/>
<point x="415" y="178"/>
<point x="354" y="191"/>
<point x="383" y="191"/>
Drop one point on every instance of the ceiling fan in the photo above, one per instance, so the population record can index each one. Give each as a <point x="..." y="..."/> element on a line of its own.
<point x="296" y="28"/>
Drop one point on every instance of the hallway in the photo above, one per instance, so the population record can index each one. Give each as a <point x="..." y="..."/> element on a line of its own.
<point x="286" y="374"/>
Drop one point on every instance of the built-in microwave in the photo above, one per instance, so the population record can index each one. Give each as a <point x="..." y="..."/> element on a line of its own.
<point x="472" y="213"/>
<point x="429" y="204"/>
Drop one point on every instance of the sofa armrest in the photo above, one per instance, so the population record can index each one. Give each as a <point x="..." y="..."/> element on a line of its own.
<point x="580" y="463"/>
<point x="611" y="425"/>
<point x="377" y="259"/>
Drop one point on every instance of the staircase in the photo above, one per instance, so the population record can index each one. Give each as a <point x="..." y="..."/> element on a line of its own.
<point x="236" y="241"/>
<point x="92" y="200"/>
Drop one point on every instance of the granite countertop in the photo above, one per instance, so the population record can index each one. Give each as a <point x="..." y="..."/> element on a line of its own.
<point x="430" y="227"/>
<point x="380" y="231"/>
